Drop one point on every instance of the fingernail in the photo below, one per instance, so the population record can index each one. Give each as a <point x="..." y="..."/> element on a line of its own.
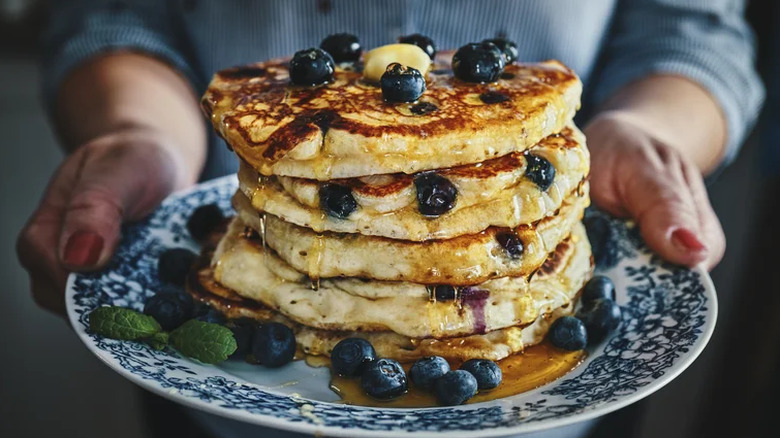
<point x="686" y="241"/>
<point x="83" y="249"/>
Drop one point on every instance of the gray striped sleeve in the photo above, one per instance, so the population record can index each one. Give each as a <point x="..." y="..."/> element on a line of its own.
<point x="707" y="41"/>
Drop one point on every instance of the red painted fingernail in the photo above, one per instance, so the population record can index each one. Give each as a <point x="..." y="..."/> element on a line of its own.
<point x="687" y="241"/>
<point x="83" y="249"/>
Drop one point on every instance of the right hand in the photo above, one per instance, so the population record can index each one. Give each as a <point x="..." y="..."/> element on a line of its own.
<point x="117" y="177"/>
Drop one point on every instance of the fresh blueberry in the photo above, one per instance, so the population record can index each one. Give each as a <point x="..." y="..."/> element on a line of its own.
<point x="174" y="265"/>
<point x="420" y="41"/>
<point x="351" y="355"/>
<point x="311" y="67"/>
<point x="242" y="329"/>
<point x="273" y="344"/>
<point x="478" y="62"/>
<point x="487" y="372"/>
<point x="342" y="47"/>
<point x="384" y="379"/>
<point x="511" y="244"/>
<point x="603" y="240"/>
<point x="568" y="333"/>
<point x="204" y="220"/>
<point x="444" y="292"/>
<point x="540" y="171"/>
<point x="507" y="47"/>
<point x="168" y="309"/>
<point x="436" y="195"/>
<point x="401" y="84"/>
<point x="207" y="313"/>
<point x="598" y="287"/>
<point x="600" y="318"/>
<point x="455" y="387"/>
<point x="425" y="371"/>
<point x="337" y="200"/>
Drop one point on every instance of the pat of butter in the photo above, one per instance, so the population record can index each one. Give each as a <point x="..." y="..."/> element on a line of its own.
<point x="376" y="61"/>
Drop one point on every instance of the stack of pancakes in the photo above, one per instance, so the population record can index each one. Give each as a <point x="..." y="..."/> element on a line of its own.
<point x="412" y="284"/>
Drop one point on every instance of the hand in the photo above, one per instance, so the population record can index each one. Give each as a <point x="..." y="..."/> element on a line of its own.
<point x="636" y="175"/>
<point x="117" y="177"/>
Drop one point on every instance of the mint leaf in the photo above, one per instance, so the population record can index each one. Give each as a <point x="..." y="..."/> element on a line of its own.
<point x="121" y="323"/>
<point x="204" y="341"/>
<point x="158" y="341"/>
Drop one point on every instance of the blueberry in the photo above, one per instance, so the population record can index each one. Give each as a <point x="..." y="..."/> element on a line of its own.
<point x="420" y="41"/>
<point x="598" y="287"/>
<point x="436" y="195"/>
<point x="568" y="333"/>
<point x="311" y="67"/>
<point x="603" y="240"/>
<point x="487" y="372"/>
<point x="508" y="48"/>
<point x="600" y="318"/>
<point x="444" y="292"/>
<point x="207" y="313"/>
<point x="174" y="265"/>
<point x="350" y="356"/>
<point x="401" y="84"/>
<point x="273" y="344"/>
<point x="337" y="200"/>
<point x="342" y="47"/>
<point x="539" y="170"/>
<point x="384" y="379"/>
<point x="455" y="387"/>
<point x="478" y="62"/>
<point x="425" y="371"/>
<point x="511" y="244"/>
<point x="169" y="309"/>
<point x="242" y="329"/>
<point x="204" y="220"/>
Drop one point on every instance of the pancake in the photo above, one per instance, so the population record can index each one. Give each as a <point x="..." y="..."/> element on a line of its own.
<point x="463" y="261"/>
<point x="345" y="129"/>
<point x="241" y="264"/>
<point x="493" y="193"/>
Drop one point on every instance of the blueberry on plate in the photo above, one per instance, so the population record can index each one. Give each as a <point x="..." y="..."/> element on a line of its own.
<point x="600" y="318"/>
<point x="169" y="309"/>
<point x="243" y="330"/>
<point x="342" y="47"/>
<point x="311" y="67"/>
<point x="540" y="171"/>
<point x="487" y="372"/>
<point x="568" y="333"/>
<point x="507" y="47"/>
<point x="351" y="355"/>
<point x="455" y="388"/>
<point x="273" y="344"/>
<point x="401" y="84"/>
<point x="478" y="62"/>
<point x="209" y="314"/>
<point x="436" y="195"/>
<point x="511" y="244"/>
<point x="204" y="220"/>
<point x="174" y="265"/>
<point x="384" y="379"/>
<point x="603" y="240"/>
<point x="425" y="371"/>
<point x="597" y="288"/>
<point x="337" y="200"/>
<point x="420" y="41"/>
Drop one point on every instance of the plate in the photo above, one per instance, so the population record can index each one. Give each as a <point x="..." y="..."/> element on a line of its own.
<point x="669" y="314"/>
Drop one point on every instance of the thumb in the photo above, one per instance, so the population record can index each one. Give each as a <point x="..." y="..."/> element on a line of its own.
<point x="117" y="181"/>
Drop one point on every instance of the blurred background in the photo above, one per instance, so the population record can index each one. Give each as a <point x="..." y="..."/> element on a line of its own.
<point x="52" y="386"/>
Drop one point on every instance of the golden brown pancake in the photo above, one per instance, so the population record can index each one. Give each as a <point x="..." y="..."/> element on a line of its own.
<point x="345" y="129"/>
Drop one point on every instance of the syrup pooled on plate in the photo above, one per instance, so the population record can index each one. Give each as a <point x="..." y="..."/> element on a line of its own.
<point x="536" y="366"/>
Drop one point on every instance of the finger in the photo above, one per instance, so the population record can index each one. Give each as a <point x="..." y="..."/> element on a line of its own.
<point x="711" y="229"/>
<point x="115" y="183"/>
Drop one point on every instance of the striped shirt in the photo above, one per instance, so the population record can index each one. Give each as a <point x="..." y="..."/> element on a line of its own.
<point x="607" y="42"/>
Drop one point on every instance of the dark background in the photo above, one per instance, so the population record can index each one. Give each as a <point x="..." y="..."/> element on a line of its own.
<point x="50" y="385"/>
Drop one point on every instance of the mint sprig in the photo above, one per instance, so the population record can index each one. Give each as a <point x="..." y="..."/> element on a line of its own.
<point x="158" y="341"/>
<point x="204" y="341"/>
<point x="123" y="324"/>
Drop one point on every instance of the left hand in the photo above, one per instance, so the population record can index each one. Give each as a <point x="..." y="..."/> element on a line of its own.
<point x="634" y="174"/>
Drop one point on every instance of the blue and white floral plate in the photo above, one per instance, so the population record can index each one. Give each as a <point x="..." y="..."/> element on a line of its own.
<point x="668" y="316"/>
